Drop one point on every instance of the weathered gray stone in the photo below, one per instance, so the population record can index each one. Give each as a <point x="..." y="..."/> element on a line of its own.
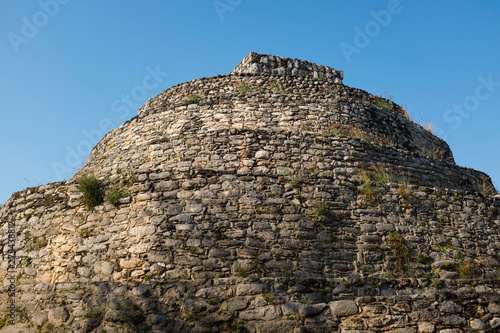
<point x="84" y="271"/>
<point x="251" y="289"/>
<point x="312" y="310"/>
<point x="290" y="309"/>
<point x="383" y="227"/>
<point x="269" y="312"/>
<point x="19" y="328"/>
<point x="235" y="305"/>
<point x="142" y="230"/>
<point x="370" y="239"/>
<point x="185" y="218"/>
<point x="275" y="326"/>
<point x="167" y="185"/>
<point x="58" y="315"/>
<point x="39" y="318"/>
<point x="211" y="293"/>
<point x="403" y="330"/>
<point x="119" y="303"/>
<point x="494" y="308"/>
<point x="262" y="154"/>
<point x="453" y="321"/>
<point x="443" y="264"/>
<point x="343" y="308"/>
<point x="477" y="324"/>
<point x="495" y="323"/>
<point x="104" y="267"/>
<point x="450" y="307"/>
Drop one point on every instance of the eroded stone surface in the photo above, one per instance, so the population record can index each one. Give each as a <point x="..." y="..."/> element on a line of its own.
<point x="343" y="308"/>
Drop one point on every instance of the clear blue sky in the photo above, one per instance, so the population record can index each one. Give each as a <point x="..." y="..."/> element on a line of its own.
<point x="67" y="66"/>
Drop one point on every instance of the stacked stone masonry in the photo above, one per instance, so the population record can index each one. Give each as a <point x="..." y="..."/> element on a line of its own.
<point x="267" y="305"/>
<point x="255" y="63"/>
<point x="245" y="206"/>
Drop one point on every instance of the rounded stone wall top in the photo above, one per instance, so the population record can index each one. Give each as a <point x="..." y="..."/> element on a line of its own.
<point x="256" y="63"/>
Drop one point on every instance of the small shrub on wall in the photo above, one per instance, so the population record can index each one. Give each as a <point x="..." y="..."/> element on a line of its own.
<point x="91" y="189"/>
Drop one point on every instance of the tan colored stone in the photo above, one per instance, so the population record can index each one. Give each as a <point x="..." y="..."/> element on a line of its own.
<point x="426" y="327"/>
<point x="44" y="278"/>
<point x="343" y="308"/>
<point x="130" y="263"/>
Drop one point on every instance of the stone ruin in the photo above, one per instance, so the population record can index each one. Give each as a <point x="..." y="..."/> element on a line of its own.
<point x="271" y="199"/>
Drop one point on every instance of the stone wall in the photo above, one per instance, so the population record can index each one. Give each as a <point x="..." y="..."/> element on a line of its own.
<point x="255" y="63"/>
<point x="282" y="103"/>
<point x="198" y="213"/>
<point x="263" y="305"/>
<point x="304" y="187"/>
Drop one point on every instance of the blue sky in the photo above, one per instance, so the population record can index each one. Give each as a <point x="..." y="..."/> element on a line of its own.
<point x="71" y="70"/>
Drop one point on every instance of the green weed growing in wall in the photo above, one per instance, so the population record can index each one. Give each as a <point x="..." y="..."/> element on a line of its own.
<point x="91" y="189"/>
<point x="400" y="252"/>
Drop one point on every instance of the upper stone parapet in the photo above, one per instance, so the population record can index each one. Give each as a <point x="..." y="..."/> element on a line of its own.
<point x="256" y="63"/>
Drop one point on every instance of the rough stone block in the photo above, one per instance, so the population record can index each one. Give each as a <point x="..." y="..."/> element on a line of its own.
<point x="450" y="307"/>
<point x="495" y="323"/>
<point x="167" y="185"/>
<point x="426" y="327"/>
<point x="104" y="267"/>
<point x="477" y="324"/>
<point x="58" y="315"/>
<point x="251" y="289"/>
<point x="264" y="313"/>
<point x="130" y="263"/>
<point x="343" y="308"/>
<point x="312" y="310"/>
<point x="494" y="308"/>
<point x="235" y="305"/>
<point x="403" y="330"/>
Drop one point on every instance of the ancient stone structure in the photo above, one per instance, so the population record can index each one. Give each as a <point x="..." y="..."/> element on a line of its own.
<point x="259" y="64"/>
<point x="272" y="199"/>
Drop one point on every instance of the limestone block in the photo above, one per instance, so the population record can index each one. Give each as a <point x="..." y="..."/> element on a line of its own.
<point x="495" y="323"/>
<point x="130" y="263"/>
<point x="262" y="154"/>
<point x="264" y="313"/>
<point x="235" y="305"/>
<point x="19" y="328"/>
<point x="167" y="185"/>
<point x="39" y="318"/>
<point x="84" y="271"/>
<point x="251" y="289"/>
<point x="494" y="308"/>
<point x="312" y="310"/>
<point x="104" y="267"/>
<point x="450" y="307"/>
<point x="343" y="308"/>
<point x="477" y="324"/>
<point x="403" y="330"/>
<point x="58" y="315"/>
<point x="290" y="308"/>
<point x="426" y="327"/>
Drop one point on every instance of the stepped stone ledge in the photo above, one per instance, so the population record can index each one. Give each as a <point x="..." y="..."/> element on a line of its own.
<point x="256" y="63"/>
